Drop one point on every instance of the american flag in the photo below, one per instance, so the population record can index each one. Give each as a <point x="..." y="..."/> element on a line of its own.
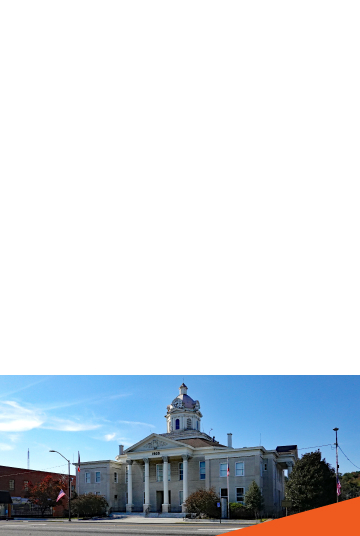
<point x="61" y="494"/>
<point x="78" y="461"/>
<point x="338" y="487"/>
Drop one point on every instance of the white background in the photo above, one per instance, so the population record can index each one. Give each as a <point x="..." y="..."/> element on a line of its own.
<point x="179" y="187"/>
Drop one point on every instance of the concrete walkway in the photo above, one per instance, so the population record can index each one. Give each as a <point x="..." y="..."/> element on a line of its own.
<point x="140" y="520"/>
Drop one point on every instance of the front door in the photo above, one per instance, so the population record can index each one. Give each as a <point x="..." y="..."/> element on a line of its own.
<point x="159" y="500"/>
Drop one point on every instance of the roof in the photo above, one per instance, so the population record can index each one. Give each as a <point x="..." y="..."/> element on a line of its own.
<point x="5" y="497"/>
<point x="286" y="448"/>
<point x="200" y="442"/>
<point x="187" y="401"/>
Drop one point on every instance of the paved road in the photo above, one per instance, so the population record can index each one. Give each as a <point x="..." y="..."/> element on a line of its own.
<point x="38" y="528"/>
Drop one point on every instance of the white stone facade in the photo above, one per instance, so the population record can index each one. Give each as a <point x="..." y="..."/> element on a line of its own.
<point x="135" y="481"/>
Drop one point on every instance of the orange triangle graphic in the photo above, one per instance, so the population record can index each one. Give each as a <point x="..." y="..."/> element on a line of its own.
<point x="332" y="520"/>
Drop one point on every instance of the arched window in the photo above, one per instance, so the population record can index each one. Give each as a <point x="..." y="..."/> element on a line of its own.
<point x="177" y="424"/>
<point x="197" y="425"/>
<point x="189" y="423"/>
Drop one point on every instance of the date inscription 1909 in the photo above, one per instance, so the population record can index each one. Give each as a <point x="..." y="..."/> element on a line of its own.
<point x="155" y="453"/>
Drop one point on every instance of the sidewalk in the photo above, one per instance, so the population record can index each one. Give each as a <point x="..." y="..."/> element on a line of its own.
<point x="139" y="520"/>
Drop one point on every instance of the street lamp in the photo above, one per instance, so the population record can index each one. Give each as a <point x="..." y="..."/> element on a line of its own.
<point x="69" y="490"/>
<point x="337" y="465"/>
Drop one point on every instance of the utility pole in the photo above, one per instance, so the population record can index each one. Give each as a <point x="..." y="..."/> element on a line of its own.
<point x="337" y="464"/>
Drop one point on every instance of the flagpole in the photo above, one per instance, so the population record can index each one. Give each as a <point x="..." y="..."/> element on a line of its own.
<point x="228" y="501"/>
<point x="337" y="465"/>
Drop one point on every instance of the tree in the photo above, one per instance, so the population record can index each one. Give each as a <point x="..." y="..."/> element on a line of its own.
<point x="46" y="492"/>
<point x="203" y="502"/>
<point x="312" y="483"/>
<point x="253" y="499"/>
<point x="350" y="486"/>
<point x="89" y="505"/>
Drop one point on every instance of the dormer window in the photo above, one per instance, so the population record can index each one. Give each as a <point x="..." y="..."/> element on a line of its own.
<point x="177" y="424"/>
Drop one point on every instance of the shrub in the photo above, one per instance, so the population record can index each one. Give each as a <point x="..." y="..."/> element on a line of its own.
<point x="89" y="505"/>
<point x="239" y="511"/>
<point x="203" y="503"/>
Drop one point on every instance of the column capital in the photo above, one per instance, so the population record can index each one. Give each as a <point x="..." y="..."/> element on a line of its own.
<point x="129" y="462"/>
<point x="290" y="464"/>
<point x="186" y="457"/>
<point x="146" y="460"/>
<point x="165" y="459"/>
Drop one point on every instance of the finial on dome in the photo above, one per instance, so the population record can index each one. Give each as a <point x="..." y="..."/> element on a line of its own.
<point x="183" y="389"/>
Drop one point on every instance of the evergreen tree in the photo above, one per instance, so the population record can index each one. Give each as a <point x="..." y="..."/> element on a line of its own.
<point x="312" y="483"/>
<point x="253" y="499"/>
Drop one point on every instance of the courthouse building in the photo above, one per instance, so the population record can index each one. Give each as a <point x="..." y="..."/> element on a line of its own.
<point x="159" y="472"/>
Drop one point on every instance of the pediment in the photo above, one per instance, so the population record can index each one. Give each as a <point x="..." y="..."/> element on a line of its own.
<point x="154" y="442"/>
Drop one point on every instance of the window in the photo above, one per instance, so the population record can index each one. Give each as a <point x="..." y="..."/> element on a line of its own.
<point x="126" y="474"/>
<point x="181" y="497"/>
<point x="126" y="497"/>
<point x="181" y="471"/>
<point x="240" y="495"/>
<point x="223" y="493"/>
<point x="87" y="478"/>
<point x="223" y="469"/>
<point x="115" y="478"/>
<point x="97" y="477"/>
<point x="177" y="424"/>
<point x="202" y="470"/>
<point x="265" y="466"/>
<point x="239" y="469"/>
<point x="97" y="492"/>
<point x="189" y="423"/>
<point x="26" y="485"/>
<point x="11" y="484"/>
<point x="144" y="473"/>
<point x="197" y="425"/>
<point x="159" y="472"/>
<point x="115" y="496"/>
<point x="144" y="497"/>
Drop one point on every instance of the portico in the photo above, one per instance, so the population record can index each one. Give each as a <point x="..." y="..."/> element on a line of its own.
<point x="169" y="461"/>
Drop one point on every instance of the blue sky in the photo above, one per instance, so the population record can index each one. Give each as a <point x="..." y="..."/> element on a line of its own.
<point x="94" y="414"/>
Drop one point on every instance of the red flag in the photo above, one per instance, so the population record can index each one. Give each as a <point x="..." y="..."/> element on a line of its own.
<point x="228" y="470"/>
<point x="61" y="494"/>
<point x="79" y="461"/>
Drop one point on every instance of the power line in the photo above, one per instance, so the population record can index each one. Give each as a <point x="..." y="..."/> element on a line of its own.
<point x="316" y="446"/>
<point x="348" y="458"/>
<point x="35" y="470"/>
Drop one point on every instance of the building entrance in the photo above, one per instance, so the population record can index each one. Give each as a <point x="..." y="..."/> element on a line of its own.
<point x="159" y="500"/>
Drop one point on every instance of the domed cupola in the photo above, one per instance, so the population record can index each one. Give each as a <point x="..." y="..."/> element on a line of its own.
<point x="183" y="413"/>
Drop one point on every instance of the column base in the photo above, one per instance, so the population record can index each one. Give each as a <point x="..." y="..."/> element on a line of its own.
<point x="183" y="509"/>
<point x="129" y="507"/>
<point x="146" y="507"/>
<point x="165" y="508"/>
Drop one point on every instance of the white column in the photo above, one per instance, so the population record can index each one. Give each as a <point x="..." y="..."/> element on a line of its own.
<point x="147" y="485"/>
<point x="185" y="480"/>
<point x="289" y="467"/>
<point x="165" y="506"/>
<point x="129" y="505"/>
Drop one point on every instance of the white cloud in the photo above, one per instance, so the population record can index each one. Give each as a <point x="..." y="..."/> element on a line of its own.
<point x="138" y="423"/>
<point x="16" y="418"/>
<point x="110" y="437"/>
<point x="69" y="426"/>
<point x="5" y="446"/>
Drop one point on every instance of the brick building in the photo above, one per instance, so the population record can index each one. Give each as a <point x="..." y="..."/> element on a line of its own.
<point x="15" y="480"/>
